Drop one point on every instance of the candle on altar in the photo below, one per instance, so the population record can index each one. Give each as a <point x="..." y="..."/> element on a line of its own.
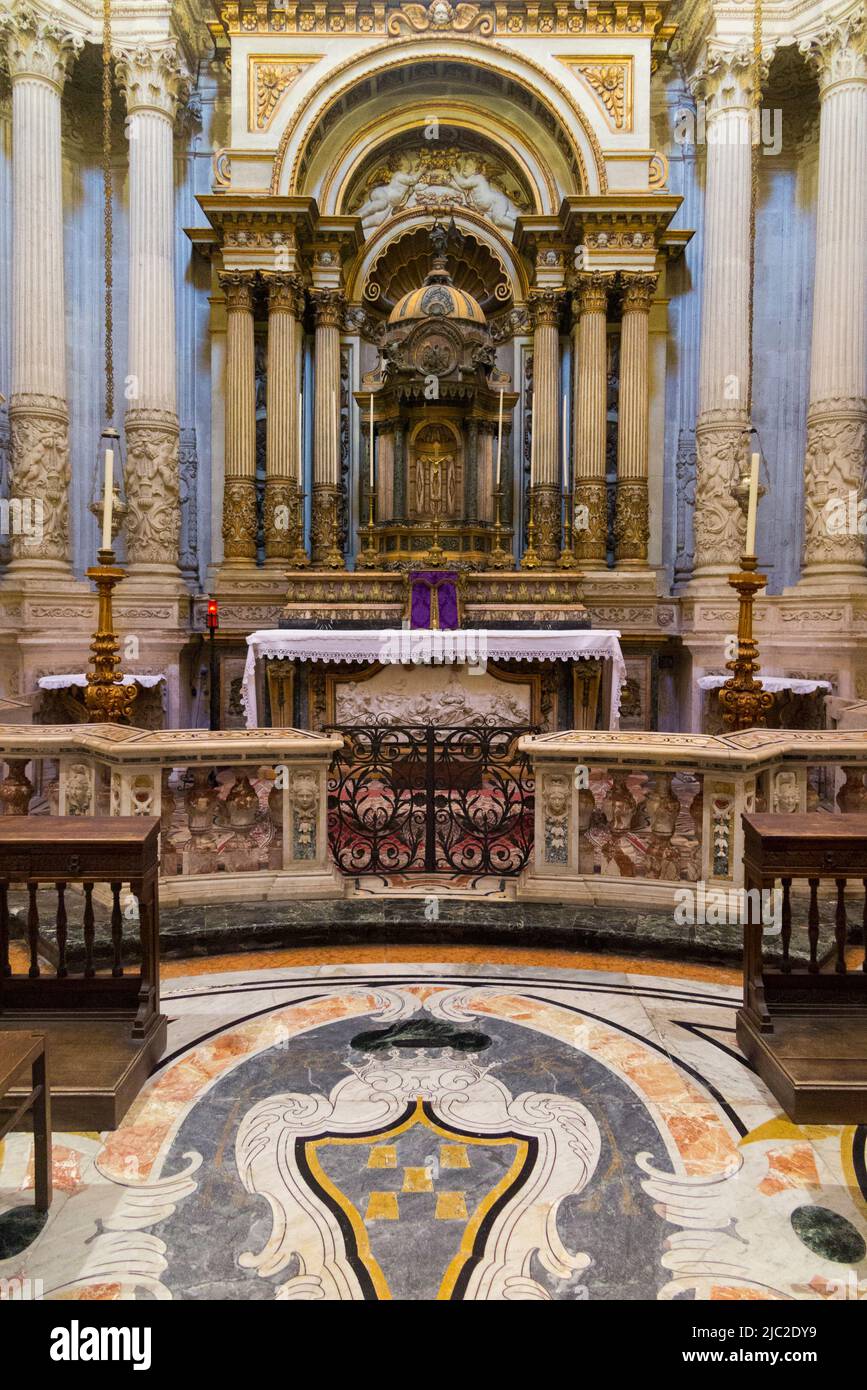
<point x="300" y="436"/>
<point x="753" y="504"/>
<point x="371" y="440"/>
<point x="107" y="499"/>
<point x="500" y="438"/>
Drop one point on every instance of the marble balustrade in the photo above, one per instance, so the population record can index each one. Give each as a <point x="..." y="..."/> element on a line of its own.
<point x="244" y="814"/>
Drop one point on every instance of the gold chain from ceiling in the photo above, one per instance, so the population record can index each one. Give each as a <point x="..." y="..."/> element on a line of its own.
<point x="755" y="138"/>
<point x="107" y="210"/>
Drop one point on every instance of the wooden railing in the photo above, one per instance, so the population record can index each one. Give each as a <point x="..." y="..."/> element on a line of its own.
<point x="100" y="1010"/>
<point x="804" y="1025"/>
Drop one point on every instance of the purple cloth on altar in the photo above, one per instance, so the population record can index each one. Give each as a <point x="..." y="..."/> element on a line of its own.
<point x="421" y="583"/>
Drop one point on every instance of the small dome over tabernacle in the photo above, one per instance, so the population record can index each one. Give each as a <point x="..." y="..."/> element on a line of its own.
<point x="437" y="298"/>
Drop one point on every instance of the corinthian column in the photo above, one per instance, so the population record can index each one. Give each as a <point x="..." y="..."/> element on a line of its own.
<point x="631" y="529"/>
<point x="590" y="310"/>
<point x="152" y="83"/>
<point x="722" y="427"/>
<point x="282" y="457"/>
<point x="239" y="489"/>
<point x="837" y="414"/>
<point x="325" y="520"/>
<point x="39" y="54"/>
<point x="547" y="504"/>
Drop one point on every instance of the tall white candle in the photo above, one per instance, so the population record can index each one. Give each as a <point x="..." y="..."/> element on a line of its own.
<point x="107" y="499"/>
<point x="300" y="436"/>
<point x="753" y="504"/>
<point x="500" y="438"/>
<point x="371" y="439"/>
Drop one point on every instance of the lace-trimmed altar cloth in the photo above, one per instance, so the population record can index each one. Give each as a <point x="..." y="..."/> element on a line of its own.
<point x="458" y="646"/>
<point x="80" y="679"/>
<point x="772" y="683"/>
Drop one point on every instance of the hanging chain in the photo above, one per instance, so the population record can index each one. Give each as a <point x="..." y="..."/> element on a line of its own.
<point x="755" y="138"/>
<point x="107" y="212"/>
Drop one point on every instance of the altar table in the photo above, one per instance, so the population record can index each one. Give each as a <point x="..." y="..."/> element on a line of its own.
<point x="458" y="646"/>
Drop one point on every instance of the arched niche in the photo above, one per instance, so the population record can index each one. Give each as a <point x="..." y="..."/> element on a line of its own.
<point x="504" y="89"/>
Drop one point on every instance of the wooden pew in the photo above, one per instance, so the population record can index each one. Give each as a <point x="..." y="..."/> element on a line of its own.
<point x="101" y="1016"/>
<point x="804" y="1027"/>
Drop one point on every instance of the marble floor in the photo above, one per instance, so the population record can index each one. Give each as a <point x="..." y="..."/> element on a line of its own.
<point x="479" y="1127"/>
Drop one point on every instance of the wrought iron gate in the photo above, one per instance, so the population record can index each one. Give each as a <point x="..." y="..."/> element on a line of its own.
<point x="427" y="798"/>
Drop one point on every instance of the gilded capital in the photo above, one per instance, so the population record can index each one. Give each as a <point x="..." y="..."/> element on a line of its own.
<point x="285" y="293"/>
<point x="38" y="47"/>
<point x="328" y="307"/>
<point x="838" y="52"/>
<point x="237" y="285"/>
<point x="590" y="292"/>
<point x="545" y="307"/>
<point x="152" y="79"/>
<point x="637" y="290"/>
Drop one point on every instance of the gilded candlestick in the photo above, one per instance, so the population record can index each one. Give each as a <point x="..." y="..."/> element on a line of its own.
<point x="567" y="559"/>
<point x="368" y="558"/>
<point x="107" y="699"/>
<point x="501" y="558"/>
<point x="531" y="559"/>
<point x="743" y="699"/>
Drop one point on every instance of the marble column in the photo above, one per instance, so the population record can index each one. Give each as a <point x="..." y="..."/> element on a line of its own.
<point x="546" y="483"/>
<point x="325" y="521"/>
<point x="590" y="398"/>
<point x="722" y="426"/>
<point x="239" y="489"/>
<point x="283" y="484"/>
<point x="39" y="54"/>
<point x="837" y="415"/>
<point x="153" y="83"/>
<point x="471" y="474"/>
<point x="631" y="527"/>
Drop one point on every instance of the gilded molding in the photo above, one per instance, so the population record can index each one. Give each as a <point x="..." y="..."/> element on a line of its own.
<point x="591" y="542"/>
<point x="610" y="81"/>
<point x="631" y="526"/>
<point x="239" y="519"/>
<point x="269" y="78"/>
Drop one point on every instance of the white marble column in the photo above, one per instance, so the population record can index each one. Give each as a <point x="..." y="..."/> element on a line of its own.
<point x="722" y="427"/>
<point x="39" y="55"/>
<point x="836" y="451"/>
<point x="153" y="82"/>
<point x="631" y="526"/>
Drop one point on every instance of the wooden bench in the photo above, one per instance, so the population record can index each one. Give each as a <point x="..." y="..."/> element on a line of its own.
<point x="18" y="1051"/>
<point x="805" y="1027"/>
<point x="101" y="1015"/>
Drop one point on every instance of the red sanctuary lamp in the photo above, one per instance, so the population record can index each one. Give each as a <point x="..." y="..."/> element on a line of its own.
<point x="212" y="622"/>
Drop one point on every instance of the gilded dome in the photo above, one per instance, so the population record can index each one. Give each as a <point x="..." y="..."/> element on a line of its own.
<point x="437" y="298"/>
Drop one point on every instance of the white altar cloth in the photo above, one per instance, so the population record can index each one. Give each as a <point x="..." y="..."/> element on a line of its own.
<point x="80" y="679"/>
<point x="772" y="683"/>
<point x="423" y="646"/>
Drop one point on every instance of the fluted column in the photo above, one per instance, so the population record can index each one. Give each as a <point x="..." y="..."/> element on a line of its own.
<point x="837" y="415"/>
<point x="590" y="388"/>
<point x="631" y="527"/>
<point x="547" y="501"/>
<point x="325" y="521"/>
<point x="239" y="490"/>
<point x="39" y="55"/>
<point x="153" y="83"/>
<point x="283" y="484"/>
<point x="722" y="427"/>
